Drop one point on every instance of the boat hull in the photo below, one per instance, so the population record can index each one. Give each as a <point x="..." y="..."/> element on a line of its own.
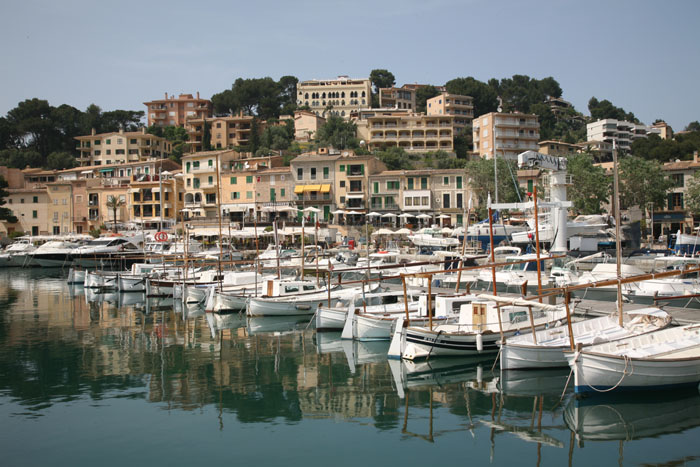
<point x="262" y="307"/>
<point x="521" y="357"/>
<point x="330" y="320"/>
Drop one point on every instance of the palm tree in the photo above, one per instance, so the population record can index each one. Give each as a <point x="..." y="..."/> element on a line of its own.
<point x="114" y="203"/>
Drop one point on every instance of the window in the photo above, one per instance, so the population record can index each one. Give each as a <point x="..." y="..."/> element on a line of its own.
<point x="342" y="168"/>
<point x="445" y="180"/>
<point x="234" y="180"/>
<point x="248" y="195"/>
<point x="132" y="141"/>
<point x="342" y="184"/>
<point x="459" y="182"/>
<point x="425" y="200"/>
<point x="677" y="180"/>
<point x="210" y="180"/>
<point x="249" y="179"/>
<point x="273" y="196"/>
<point x="300" y="173"/>
<point x="188" y="182"/>
<point x="424" y="183"/>
<point x="376" y="187"/>
<point x="410" y="183"/>
<point x="35" y="199"/>
<point x="195" y="165"/>
<point x="392" y="185"/>
<point x="109" y="141"/>
<point x="35" y="214"/>
<point x="313" y="173"/>
<point x="195" y="182"/>
<point x="210" y="162"/>
<point x="326" y="173"/>
<point x="235" y="195"/>
<point x="459" y="203"/>
<point x="282" y="192"/>
<point x="408" y="201"/>
<point x="108" y="152"/>
<point x="446" y="200"/>
<point x="98" y="152"/>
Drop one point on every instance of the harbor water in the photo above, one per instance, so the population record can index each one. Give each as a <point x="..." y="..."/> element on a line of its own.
<point x="113" y="379"/>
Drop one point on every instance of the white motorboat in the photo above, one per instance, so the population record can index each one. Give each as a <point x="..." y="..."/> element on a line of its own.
<point x="523" y="269"/>
<point x="54" y="254"/>
<point x="428" y="240"/>
<point x="546" y="348"/>
<point x="658" y="360"/>
<point x="108" y="251"/>
<point x="17" y="253"/>
<point x="301" y="298"/>
<point x="481" y="325"/>
<point x="581" y="225"/>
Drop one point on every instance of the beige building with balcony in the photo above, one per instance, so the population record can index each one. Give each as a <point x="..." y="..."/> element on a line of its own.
<point x="411" y="132"/>
<point x="398" y="98"/>
<point x="306" y="125"/>
<point x="225" y="132"/>
<point x="173" y="111"/>
<point x="461" y="107"/>
<point x="508" y="134"/>
<point x="121" y="148"/>
<point x="343" y="94"/>
<point x="558" y="148"/>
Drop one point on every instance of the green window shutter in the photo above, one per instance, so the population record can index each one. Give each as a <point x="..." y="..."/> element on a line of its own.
<point x="187" y="167"/>
<point x="362" y="169"/>
<point x="325" y="172"/>
<point x="410" y="183"/>
<point x="423" y="183"/>
<point x="342" y="168"/>
<point x="376" y="187"/>
<point x="210" y="179"/>
<point x="445" y="180"/>
<point x="670" y="201"/>
<point x="529" y="186"/>
<point x="234" y="180"/>
<point x="211" y="163"/>
<point x="282" y="192"/>
<point x="459" y="182"/>
<point x="272" y="194"/>
<point x="249" y="179"/>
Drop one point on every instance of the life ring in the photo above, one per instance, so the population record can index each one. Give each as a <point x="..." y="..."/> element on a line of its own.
<point x="161" y="236"/>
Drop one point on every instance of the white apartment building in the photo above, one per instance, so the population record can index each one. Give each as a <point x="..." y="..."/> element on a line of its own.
<point x="508" y="134"/>
<point x="620" y="132"/>
<point x="342" y="94"/>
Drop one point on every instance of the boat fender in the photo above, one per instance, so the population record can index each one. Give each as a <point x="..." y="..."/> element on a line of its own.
<point x="479" y="343"/>
<point x="479" y="373"/>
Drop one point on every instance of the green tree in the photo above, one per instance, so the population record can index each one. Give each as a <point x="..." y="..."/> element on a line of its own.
<point x="424" y="93"/>
<point x="381" y="78"/>
<point x="60" y="160"/>
<point x="480" y="175"/>
<point x="337" y="133"/>
<point x="21" y="158"/>
<point x="288" y="94"/>
<point x="591" y="185"/>
<point x="605" y="109"/>
<point x="394" y="158"/>
<point x="34" y="125"/>
<point x="276" y="137"/>
<point x="5" y="213"/>
<point x="642" y="183"/>
<point x="693" y="126"/>
<point x="114" y="203"/>
<point x="485" y="97"/>
<point x="692" y="193"/>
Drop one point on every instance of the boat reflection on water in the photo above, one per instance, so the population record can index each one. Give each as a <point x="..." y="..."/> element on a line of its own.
<point x="276" y="324"/>
<point x="549" y="382"/>
<point x="220" y="322"/>
<point x="631" y="416"/>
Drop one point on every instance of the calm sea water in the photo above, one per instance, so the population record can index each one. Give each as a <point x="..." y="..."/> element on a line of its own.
<point x="90" y="379"/>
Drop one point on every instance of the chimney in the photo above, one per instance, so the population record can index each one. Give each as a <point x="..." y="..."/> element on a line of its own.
<point x="143" y="130"/>
<point x="197" y="94"/>
<point x="166" y="96"/>
<point x="695" y="156"/>
<point x="121" y="130"/>
<point x="93" y="132"/>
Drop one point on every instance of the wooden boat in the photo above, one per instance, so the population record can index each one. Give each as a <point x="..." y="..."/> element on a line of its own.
<point x="658" y="360"/>
<point x="481" y="325"/>
<point x="546" y="348"/>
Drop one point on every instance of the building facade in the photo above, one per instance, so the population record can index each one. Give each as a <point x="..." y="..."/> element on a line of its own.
<point x="398" y="98"/>
<point x="461" y="107"/>
<point x="342" y="94"/>
<point x="618" y="132"/>
<point x="505" y="134"/>
<point x="173" y="111"/>
<point x="411" y="132"/>
<point x="224" y="132"/>
<point x="121" y="148"/>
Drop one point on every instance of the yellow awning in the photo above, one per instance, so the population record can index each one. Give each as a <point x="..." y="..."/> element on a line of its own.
<point x="299" y="189"/>
<point x="312" y="187"/>
<point x="325" y="188"/>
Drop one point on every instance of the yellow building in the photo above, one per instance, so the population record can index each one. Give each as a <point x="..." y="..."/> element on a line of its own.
<point x="508" y="134"/>
<point x="60" y="208"/>
<point x="173" y="111"/>
<point x="306" y="125"/>
<point x="398" y="98"/>
<point x="31" y="206"/>
<point x="558" y="148"/>
<point x="461" y="107"/>
<point x="411" y="132"/>
<point x="121" y="148"/>
<point x="342" y="94"/>
<point x="225" y="132"/>
<point x="147" y="194"/>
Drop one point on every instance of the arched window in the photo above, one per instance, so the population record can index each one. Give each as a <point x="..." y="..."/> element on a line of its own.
<point x="323" y="96"/>
<point x="343" y="103"/>
<point x="189" y="198"/>
<point x="363" y="94"/>
<point x="197" y="197"/>
<point x="306" y="96"/>
<point x="342" y="113"/>
<point x="342" y="94"/>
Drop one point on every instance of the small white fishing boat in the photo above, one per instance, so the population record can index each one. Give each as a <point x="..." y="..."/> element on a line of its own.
<point x="76" y="276"/>
<point x="658" y="360"/>
<point x="101" y="280"/>
<point x="481" y="325"/>
<point x="546" y="348"/>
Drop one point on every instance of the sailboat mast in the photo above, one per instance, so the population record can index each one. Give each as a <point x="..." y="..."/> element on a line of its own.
<point x="618" y="248"/>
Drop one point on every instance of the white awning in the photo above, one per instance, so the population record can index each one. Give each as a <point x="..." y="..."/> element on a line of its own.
<point x="354" y="196"/>
<point x="133" y="190"/>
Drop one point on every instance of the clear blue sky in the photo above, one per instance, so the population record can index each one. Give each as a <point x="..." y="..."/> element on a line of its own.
<point x="642" y="55"/>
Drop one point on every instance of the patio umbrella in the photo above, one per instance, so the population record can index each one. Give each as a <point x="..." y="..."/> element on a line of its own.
<point x="338" y="211"/>
<point x="312" y="209"/>
<point x="423" y="216"/>
<point x="353" y="212"/>
<point x="373" y="214"/>
<point x="383" y="232"/>
<point x="443" y="216"/>
<point x="403" y="231"/>
<point x="406" y="215"/>
<point x="446" y="230"/>
<point x="388" y="214"/>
